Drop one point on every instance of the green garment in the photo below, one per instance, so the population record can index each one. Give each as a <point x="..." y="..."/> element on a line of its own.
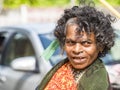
<point x="95" y="77"/>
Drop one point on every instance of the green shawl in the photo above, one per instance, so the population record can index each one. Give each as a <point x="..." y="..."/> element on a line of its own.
<point x="95" y="77"/>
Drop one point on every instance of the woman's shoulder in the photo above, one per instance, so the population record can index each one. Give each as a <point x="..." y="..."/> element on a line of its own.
<point x="95" y="77"/>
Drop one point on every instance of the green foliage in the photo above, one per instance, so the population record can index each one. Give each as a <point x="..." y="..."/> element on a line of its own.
<point x="111" y="2"/>
<point x="49" y="3"/>
<point x="114" y="3"/>
<point x="46" y="3"/>
<point x="97" y="2"/>
<point x="35" y="3"/>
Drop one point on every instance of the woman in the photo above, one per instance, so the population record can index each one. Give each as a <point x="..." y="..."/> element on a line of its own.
<point x="85" y="34"/>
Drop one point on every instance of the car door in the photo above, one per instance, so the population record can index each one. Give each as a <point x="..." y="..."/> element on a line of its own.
<point x="15" y="73"/>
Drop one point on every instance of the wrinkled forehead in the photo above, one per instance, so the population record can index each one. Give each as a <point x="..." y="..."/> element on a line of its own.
<point x="70" y="22"/>
<point x="73" y="22"/>
<point x="79" y="32"/>
<point x="80" y="29"/>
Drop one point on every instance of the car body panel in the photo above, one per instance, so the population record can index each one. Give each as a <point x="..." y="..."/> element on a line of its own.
<point x="19" y="78"/>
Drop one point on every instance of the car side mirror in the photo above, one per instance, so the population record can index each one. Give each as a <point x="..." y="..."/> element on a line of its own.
<point x="24" y="63"/>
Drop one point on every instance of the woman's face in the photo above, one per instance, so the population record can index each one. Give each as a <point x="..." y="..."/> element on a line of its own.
<point x="81" y="50"/>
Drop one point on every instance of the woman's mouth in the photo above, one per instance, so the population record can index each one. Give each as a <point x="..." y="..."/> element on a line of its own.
<point x="79" y="60"/>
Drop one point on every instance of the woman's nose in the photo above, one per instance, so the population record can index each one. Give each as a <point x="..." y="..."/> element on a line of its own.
<point x="77" y="48"/>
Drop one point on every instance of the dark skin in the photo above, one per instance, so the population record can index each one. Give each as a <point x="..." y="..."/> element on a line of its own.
<point x="81" y="50"/>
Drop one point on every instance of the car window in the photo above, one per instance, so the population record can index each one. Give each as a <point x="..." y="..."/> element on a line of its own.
<point x="46" y="39"/>
<point x="1" y="42"/>
<point x="57" y="56"/>
<point x="3" y="36"/>
<point x="19" y="46"/>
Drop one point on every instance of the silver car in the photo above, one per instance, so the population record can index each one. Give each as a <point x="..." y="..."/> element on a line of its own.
<point x="21" y="65"/>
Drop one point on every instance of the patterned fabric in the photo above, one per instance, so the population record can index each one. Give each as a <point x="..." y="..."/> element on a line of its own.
<point x="62" y="80"/>
<point x="95" y="77"/>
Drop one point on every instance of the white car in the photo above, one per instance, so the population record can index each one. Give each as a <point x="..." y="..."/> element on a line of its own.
<point x="21" y="64"/>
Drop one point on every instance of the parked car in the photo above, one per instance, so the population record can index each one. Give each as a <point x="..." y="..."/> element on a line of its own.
<point x="21" y="64"/>
<point x="112" y="60"/>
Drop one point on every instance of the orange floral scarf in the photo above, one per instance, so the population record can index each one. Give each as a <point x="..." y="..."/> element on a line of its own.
<point x="62" y="80"/>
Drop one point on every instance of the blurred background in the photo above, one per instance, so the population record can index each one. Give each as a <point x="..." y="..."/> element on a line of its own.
<point x="34" y="11"/>
<point x="22" y="64"/>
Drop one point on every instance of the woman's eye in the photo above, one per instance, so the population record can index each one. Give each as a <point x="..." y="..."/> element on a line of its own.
<point x="86" y="43"/>
<point x="69" y="42"/>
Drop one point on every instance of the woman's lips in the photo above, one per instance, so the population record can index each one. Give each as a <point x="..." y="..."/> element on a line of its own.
<point x="79" y="60"/>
